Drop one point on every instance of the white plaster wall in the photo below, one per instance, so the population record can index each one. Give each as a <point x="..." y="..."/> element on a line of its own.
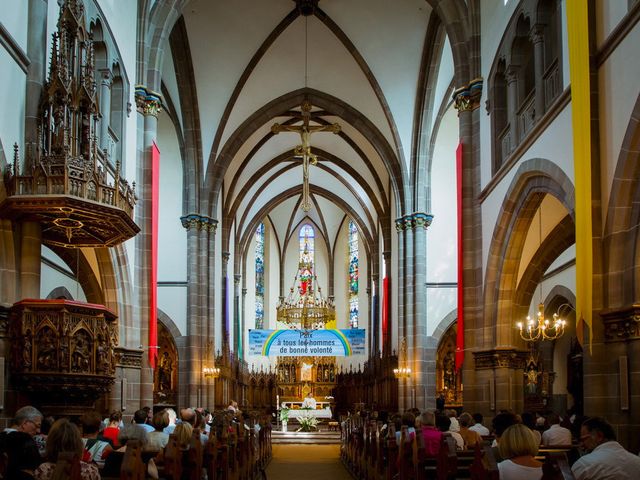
<point x="172" y="237"/>
<point x="14" y="16"/>
<point x="551" y="145"/>
<point x="440" y="302"/>
<point x="608" y="16"/>
<point x="171" y="83"/>
<point x="172" y="300"/>
<point x="272" y="275"/>
<point x="619" y="96"/>
<point x="12" y="96"/>
<point x="445" y="74"/>
<point x="51" y="278"/>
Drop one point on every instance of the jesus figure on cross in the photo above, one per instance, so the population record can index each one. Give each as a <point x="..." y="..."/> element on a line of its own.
<point x="304" y="150"/>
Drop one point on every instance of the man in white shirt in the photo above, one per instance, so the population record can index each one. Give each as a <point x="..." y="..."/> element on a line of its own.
<point x="478" y="426"/>
<point x="556" y="435"/>
<point x="607" y="460"/>
<point x="309" y="402"/>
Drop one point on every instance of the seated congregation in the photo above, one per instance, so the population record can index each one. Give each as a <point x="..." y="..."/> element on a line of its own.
<point x="441" y="445"/>
<point x="198" y="444"/>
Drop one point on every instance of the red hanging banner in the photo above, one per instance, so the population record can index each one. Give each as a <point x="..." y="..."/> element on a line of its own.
<point x="153" y="287"/>
<point x="460" y="332"/>
<point x="385" y="312"/>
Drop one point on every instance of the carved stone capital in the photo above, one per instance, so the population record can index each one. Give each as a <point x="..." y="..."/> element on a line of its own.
<point x="199" y="222"/>
<point x="467" y="97"/>
<point x="106" y="77"/>
<point x="500" y="358"/>
<point x="129" y="357"/>
<point x="536" y="34"/>
<point x="422" y="219"/>
<point x="148" y="102"/>
<point x="622" y="324"/>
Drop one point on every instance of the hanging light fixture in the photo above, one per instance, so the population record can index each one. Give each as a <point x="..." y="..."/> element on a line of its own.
<point x="403" y="371"/>
<point x="541" y="328"/>
<point x="306" y="308"/>
<point x="209" y="370"/>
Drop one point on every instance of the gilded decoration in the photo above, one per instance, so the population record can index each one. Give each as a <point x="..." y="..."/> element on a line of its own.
<point x="65" y="181"/>
<point x="500" y="358"/>
<point x="148" y="102"/>
<point x="165" y="382"/>
<point x="298" y="376"/>
<point x="448" y="379"/>
<point x="199" y="222"/>
<point x="467" y="98"/>
<point x="413" y="220"/>
<point x="622" y="324"/>
<point x="59" y="344"/>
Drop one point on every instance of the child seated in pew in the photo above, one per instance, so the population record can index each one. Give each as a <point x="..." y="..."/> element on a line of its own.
<point x="518" y="447"/>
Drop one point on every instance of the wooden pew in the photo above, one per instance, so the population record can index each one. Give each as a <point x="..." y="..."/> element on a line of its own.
<point x="192" y="467"/>
<point x="484" y="466"/>
<point x="556" y="467"/>
<point x="172" y="460"/>
<point x="133" y="468"/>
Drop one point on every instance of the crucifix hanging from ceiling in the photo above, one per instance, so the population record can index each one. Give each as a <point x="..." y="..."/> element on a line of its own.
<point x="304" y="150"/>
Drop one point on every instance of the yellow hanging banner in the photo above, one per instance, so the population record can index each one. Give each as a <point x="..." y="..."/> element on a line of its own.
<point x="578" y="31"/>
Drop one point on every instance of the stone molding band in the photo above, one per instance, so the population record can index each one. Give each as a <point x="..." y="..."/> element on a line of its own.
<point x="622" y="324"/>
<point x="467" y="97"/>
<point x="413" y="220"/>
<point x="199" y="222"/>
<point x="148" y="102"/>
<point x="500" y="358"/>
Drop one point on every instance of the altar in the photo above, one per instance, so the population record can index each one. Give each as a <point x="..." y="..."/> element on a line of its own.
<point x="310" y="412"/>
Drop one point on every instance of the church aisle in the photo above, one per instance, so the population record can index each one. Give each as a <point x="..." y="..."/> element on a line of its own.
<point x="311" y="462"/>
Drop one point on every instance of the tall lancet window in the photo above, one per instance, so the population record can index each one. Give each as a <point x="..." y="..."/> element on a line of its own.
<point x="260" y="276"/>
<point x="353" y="275"/>
<point x="305" y="266"/>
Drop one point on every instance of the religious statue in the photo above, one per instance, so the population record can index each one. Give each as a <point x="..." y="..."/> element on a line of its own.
<point x="532" y="380"/>
<point x="304" y="150"/>
<point x="164" y="372"/>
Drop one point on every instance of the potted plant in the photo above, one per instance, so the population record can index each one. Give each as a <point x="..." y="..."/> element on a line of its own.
<point x="308" y="422"/>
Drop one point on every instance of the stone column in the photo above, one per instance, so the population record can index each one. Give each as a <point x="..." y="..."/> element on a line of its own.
<point x="226" y="344"/>
<point x="210" y="304"/>
<point x="409" y="319"/>
<point x="536" y="36"/>
<point x="243" y="322"/>
<point x="511" y="75"/>
<point x="30" y="260"/>
<point x="424" y="346"/>
<point x="148" y="106"/>
<point x="375" y="314"/>
<point x="479" y="381"/>
<point x="106" y="80"/>
<point x="36" y="74"/>
<point x="237" y="331"/>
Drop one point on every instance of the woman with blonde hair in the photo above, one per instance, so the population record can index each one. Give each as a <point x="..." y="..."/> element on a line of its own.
<point x="518" y="447"/>
<point x="183" y="433"/>
<point x="64" y="436"/>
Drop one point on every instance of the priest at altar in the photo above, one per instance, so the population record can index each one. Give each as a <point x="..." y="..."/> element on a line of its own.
<point x="309" y="402"/>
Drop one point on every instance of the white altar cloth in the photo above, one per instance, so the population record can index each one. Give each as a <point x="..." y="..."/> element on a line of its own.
<point x="318" y="413"/>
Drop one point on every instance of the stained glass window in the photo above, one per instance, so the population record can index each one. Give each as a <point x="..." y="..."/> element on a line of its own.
<point x="353" y="275"/>
<point x="306" y="239"/>
<point x="260" y="276"/>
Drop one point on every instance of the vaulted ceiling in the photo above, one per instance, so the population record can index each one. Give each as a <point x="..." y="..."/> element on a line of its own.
<point x="243" y="66"/>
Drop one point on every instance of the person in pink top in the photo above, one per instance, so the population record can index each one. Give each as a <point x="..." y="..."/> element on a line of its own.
<point x="431" y="435"/>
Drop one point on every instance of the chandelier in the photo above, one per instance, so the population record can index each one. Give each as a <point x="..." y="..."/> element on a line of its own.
<point x="403" y="371"/>
<point x="209" y="370"/>
<point x="305" y="308"/>
<point x="541" y="328"/>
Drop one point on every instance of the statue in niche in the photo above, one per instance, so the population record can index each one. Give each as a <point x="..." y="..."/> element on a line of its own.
<point x="449" y="371"/>
<point x="532" y="380"/>
<point x="165" y="369"/>
<point x="47" y="351"/>
<point x="80" y="360"/>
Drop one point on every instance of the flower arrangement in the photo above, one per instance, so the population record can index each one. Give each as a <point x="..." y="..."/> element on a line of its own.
<point x="307" y="423"/>
<point x="284" y="414"/>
